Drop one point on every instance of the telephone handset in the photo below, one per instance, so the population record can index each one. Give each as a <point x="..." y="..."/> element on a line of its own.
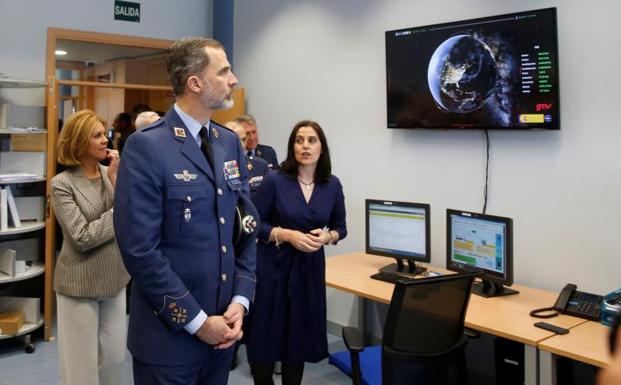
<point x="573" y="302"/>
<point x="580" y="304"/>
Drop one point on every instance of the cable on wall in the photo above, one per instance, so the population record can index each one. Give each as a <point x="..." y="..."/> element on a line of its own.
<point x="486" y="170"/>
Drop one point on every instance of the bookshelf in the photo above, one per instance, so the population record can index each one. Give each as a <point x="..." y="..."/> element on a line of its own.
<point x="22" y="216"/>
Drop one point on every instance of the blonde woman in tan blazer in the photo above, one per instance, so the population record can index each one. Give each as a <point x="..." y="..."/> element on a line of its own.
<point x="90" y="278"/>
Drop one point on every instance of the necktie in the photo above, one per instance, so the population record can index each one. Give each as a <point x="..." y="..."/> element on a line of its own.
<point x="206" y="146"/>
<point x="249" y="153"/>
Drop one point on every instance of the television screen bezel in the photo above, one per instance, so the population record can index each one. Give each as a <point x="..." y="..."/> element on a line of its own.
<point x="502" y="279"/>
<point x="557" y="100"/>
<point x="425" y="206"/>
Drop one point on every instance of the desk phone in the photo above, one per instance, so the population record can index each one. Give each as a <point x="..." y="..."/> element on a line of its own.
<point x="577" y="303"/>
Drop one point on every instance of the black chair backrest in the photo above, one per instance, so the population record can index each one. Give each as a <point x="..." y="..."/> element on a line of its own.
<point x="426" y="316"/>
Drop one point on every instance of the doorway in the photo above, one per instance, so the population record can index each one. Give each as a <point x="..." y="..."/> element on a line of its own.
<point x="106" y="73"/>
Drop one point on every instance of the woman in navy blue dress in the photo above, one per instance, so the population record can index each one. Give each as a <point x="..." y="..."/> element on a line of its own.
<point x="302" y="208"/>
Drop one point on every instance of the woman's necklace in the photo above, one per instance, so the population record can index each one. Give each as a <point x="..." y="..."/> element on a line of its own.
<point x="308" y="185"/>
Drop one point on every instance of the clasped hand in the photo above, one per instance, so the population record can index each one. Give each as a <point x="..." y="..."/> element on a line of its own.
<point x="222" y="331"/>
<point x="309" y="242"/>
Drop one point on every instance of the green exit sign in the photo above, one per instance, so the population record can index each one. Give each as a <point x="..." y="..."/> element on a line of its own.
<point x="124" y="10"/>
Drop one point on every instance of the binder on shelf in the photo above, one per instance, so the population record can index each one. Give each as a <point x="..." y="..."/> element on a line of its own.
<point x="4" y="212"/>
<point x="12" y="207"/>
<point x="7" y="261"/>
<point x="31" y="208"/>
<point x="18" y="116"/>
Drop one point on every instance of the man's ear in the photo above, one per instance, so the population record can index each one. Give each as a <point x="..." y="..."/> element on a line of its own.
<point x="194" y="84"/>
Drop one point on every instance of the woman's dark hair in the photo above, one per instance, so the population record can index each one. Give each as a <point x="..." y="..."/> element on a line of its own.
<point x="123" y="124"/>
<point x="324" y="167"/>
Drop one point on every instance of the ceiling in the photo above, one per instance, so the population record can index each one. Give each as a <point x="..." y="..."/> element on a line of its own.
<point x="97" y="53"/>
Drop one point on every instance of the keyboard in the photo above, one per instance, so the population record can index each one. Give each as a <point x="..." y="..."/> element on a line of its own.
<point x="392" y="277"/>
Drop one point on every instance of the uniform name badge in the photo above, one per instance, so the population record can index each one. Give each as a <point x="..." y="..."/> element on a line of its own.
<point x="231" y="170"/>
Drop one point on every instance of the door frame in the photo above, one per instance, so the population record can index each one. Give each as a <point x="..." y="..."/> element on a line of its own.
<point x="51" y="100"/>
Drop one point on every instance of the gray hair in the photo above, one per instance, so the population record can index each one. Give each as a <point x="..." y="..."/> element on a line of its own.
<point x="246" y="119"/>
<point x="145" y="118"/>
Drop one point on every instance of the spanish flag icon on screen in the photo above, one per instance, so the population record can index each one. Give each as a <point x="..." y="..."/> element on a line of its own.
<point x="531" y="118"/>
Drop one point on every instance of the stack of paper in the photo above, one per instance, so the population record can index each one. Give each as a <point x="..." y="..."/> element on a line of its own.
<point x="18" y="177"/>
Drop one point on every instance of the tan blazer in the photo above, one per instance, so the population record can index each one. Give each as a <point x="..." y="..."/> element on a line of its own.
<point x="89" y="264"/>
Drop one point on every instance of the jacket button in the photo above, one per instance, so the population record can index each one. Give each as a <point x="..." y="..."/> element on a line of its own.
<point x="222" y="221"/>
<point x="189" y="198"/>
<point x="224" y="249"/>
<point x="223" y="277"/>
<point x="220" y="191"/>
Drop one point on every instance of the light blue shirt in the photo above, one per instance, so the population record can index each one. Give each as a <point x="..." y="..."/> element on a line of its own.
<point x="195" y="127"/>
<point x="192" y="124"/>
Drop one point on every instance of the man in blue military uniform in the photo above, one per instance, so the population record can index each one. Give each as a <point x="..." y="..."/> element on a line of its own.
<point x="178" y="188"/>
<point x="257" y="167"/>
<point x="253" y="148"/>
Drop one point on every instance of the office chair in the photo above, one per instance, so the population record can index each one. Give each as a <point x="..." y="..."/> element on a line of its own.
<point x="423" y="336"/>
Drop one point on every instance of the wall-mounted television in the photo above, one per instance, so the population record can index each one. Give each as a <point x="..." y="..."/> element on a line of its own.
<point x="494" y="72"/>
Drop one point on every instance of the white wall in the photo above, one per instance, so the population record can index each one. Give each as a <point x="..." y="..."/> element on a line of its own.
<point x="324" y="60"/>
<point x="23" y="30"/>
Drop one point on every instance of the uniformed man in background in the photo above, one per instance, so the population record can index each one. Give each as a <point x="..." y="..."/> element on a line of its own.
<point x="257" y="167"/>
<point x="253" y="148"/>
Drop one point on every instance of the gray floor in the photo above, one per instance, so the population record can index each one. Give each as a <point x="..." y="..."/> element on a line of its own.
<point x="41" y="367"/>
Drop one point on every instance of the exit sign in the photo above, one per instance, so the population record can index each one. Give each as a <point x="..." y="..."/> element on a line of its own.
<point x="124" y="10"/>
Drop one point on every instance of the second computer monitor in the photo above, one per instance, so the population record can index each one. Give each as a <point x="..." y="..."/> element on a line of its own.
<point x="483" y="244"/>
<point x="399" y="230"/>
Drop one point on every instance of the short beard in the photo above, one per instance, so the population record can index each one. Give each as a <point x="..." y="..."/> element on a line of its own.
<point x="223" y="105"/>
<point x="208" y="100"/>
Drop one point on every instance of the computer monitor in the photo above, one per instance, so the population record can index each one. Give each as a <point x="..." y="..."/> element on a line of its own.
<point x="482" y="244"/>
<point x="399" y="230"/>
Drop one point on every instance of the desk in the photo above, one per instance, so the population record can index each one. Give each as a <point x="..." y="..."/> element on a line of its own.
<point x="506" y="317"/>
<point x="587" y="343"/>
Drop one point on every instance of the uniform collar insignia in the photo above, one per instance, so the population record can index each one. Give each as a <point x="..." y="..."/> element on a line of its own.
<point x="179" y="132"/>
<point x="214" y="132"/>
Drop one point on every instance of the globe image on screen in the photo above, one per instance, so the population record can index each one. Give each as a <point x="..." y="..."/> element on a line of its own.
<point x="462" y="74"/>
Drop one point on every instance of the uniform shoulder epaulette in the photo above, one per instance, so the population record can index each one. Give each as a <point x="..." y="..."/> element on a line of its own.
<point x="151" y="126"/>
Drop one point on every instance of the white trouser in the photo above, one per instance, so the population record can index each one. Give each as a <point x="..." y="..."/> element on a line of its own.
<point x="92" y="334"/>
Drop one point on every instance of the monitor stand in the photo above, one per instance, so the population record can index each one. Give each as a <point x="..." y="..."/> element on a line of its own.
<point x="400" y="268"/>
<point x="487" y="289"/>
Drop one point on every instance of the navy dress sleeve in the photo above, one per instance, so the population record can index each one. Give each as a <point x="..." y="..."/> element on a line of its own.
<point x="337" y="216"/>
